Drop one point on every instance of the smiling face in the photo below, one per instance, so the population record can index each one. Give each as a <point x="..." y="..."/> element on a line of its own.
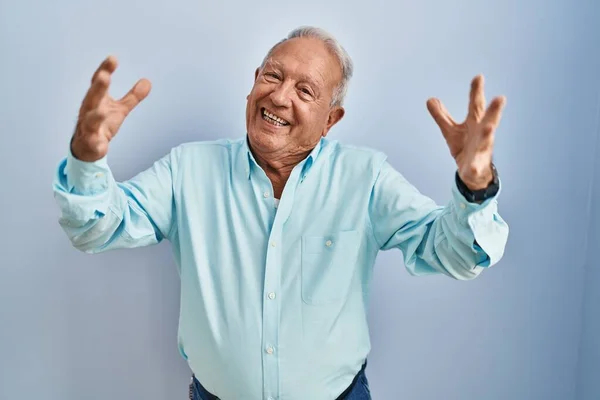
<point x="289" y="108"/>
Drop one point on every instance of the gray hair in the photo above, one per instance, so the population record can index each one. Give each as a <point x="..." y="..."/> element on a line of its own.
<point x="334" y="47"/>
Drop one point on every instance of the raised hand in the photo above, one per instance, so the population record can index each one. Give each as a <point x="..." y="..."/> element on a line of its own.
<point x="101" y="116"/>
<point x="471" y="142"/>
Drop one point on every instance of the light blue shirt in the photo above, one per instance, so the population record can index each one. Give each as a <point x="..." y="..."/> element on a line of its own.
<point x="274" y="299"/>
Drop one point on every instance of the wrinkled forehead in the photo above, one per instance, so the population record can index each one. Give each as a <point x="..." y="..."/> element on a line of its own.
<point x="306" y="58"/>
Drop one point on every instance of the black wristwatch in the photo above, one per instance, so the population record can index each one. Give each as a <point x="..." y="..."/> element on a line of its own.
<point x="477" y="196"/>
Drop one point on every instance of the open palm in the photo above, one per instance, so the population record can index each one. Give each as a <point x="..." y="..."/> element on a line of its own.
<point x="101" y="116"/>
<point x="471" y="142"/>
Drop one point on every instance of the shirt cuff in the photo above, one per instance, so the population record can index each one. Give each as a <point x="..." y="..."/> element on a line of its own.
<point x="484" y="223"/>
<point x="86" y="178"/>
<point x="464" y="208"/>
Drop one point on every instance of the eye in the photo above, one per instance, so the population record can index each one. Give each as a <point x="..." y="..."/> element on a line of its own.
<point x="306" y="92"/>
<point x="272" y="75"/>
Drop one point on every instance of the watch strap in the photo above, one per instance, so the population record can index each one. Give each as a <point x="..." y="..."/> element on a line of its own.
<point x="475" y="196"/>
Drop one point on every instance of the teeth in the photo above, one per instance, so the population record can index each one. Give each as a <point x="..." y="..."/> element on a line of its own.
<point x="278" y="121"/>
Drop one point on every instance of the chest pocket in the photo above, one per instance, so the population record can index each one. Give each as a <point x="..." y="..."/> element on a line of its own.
<point x="328" y="266"/>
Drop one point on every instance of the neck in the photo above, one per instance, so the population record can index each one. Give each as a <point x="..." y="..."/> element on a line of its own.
<point x="278" y="166"/>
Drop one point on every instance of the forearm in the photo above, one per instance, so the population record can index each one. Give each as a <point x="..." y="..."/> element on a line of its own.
<point x="96" y="212"/>
<point x="457" y="240"/>
<point x="462" y="239"/>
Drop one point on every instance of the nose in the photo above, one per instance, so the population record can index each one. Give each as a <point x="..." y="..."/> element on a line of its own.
<point x="281" y="95"/>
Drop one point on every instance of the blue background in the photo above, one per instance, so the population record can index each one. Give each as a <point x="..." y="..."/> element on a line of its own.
<point x="74" y="326"/>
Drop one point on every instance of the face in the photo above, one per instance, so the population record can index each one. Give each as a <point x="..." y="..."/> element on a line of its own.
<point x="289" y="107"/>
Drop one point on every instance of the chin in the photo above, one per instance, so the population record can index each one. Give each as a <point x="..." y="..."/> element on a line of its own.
<point x="265" y="141"/>
<point x="266" y="136"/>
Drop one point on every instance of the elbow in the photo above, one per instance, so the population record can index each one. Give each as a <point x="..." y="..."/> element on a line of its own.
<point x="470" y="267"/>
<point x="460" y="262"/>
<point x="464" y="273"/>
<point x="444" y="262"/>
<point x="89" y="237"/>
<point x="81" y="241"/>
<point x="84" y="247"/>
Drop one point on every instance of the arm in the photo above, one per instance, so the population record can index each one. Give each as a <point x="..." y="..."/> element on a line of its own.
<point x="99" y="214"/>
<point x="458" y="240"/>
<point x="461" y="239"/>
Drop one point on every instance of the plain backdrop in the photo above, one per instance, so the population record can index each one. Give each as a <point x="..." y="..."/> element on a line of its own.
<point x="74" y="326"/>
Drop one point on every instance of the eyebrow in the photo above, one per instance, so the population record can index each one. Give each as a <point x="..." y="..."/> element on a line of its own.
<point x="277" y="64"/>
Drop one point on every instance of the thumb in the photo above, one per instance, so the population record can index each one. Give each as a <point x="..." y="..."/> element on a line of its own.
<point x="137" y="93"/>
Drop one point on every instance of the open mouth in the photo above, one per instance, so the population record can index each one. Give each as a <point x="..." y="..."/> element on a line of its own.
<point x="273" y="119"/>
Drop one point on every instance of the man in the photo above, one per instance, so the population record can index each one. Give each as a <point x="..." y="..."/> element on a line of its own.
<point x="275" y="234"/>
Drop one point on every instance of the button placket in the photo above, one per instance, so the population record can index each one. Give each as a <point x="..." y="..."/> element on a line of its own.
<point x="272" y="281"/>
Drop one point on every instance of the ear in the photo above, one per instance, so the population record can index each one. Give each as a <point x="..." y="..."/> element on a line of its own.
<point x="255" y="78"/>
<point x="335" y="115"/>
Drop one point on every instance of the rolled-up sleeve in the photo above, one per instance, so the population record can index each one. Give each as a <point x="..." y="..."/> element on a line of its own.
<point x="458" y="240"/>
<point x="98" y="213"/>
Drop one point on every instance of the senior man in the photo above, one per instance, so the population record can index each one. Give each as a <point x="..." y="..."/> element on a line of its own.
<point x="275" y="234"/>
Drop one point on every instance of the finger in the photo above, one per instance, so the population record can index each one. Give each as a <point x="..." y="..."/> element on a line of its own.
<point x="494" y="112"/>
<point x="440" y="115"/>
<point x="477" y="99"/>
<point x="486" y="142"/>
<point x="137" y="93"/>
<point x="97" y="91"/>
<point x="109" y="64"/>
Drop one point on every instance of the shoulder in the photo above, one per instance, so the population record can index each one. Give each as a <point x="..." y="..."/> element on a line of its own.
<point x="354" y="157"/>
<point x="207" y="147"/>
<point x="206" y="151"/>
<point x="351" y="151"/>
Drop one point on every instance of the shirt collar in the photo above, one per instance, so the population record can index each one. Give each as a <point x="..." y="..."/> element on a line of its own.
<point x="249" y="160"/>
<point x="307" y="163"/>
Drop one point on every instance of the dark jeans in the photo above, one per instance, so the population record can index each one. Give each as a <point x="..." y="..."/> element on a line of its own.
<point x="358" y="389"/>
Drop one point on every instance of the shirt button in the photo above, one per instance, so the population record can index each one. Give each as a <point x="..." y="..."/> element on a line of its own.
<point x="463" y="205"/>
<point x="273" y="244"/>
<point x="266" y="194"/>
<point x="99" y="175"/>
<point x="272" y="295"/>
<point x="270" y="350"/>
<point x="328" y="243"/>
